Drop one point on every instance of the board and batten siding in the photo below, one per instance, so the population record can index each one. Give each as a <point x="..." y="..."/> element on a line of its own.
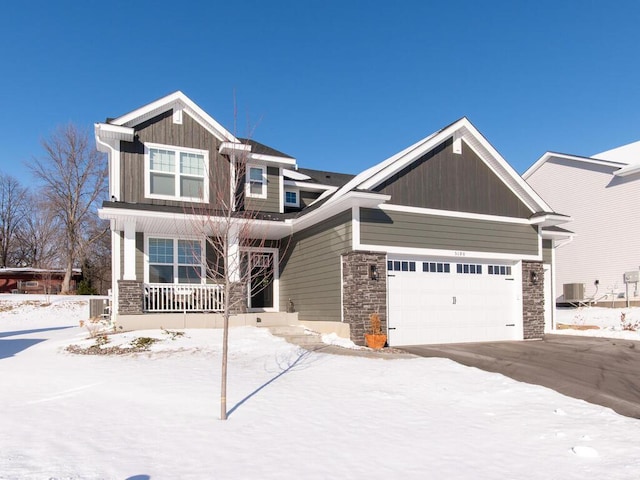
<point x="444" y="180"/>
<point x="413" y="230"/>
<point x="604" y="219"/>
<point x="310" y="269"/>
<point x="162" y="130"/>
<point x="272" y="202"/>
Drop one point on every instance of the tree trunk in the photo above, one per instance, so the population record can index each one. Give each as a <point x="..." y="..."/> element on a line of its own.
<point x="66" y="281"/>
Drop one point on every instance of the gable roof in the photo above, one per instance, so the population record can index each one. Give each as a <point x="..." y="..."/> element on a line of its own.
<point x="332" y="179"/>
<point x="176" y="101"/>
<point x="577" y="158"/>
<point x="262" y="149"/>
<point x="459" y="130"/>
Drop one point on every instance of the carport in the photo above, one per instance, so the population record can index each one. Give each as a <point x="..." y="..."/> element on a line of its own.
<point x="603" y="371"/>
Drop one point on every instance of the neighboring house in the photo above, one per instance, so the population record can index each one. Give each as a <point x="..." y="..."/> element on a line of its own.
<point x="35" y="280"/>
<point x="444" y="239"/>
<point x="599" y="194"/>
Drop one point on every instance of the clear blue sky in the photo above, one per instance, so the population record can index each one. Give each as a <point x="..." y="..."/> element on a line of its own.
<point x="340" y="85"/>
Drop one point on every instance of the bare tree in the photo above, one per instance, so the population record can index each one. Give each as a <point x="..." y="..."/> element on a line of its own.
<point x="238" y="252"/>
<point x="13" y="203"/>
<point x="74" y="175"/>
<point x="39" y="235"/>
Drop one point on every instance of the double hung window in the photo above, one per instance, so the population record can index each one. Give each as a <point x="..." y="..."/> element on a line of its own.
<point x="256" y="182"/>
<point x="175" y="261"/>
<point x="176" y="173"/>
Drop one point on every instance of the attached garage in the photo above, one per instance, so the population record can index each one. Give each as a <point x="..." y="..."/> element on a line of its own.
<point x="433" y="300"/>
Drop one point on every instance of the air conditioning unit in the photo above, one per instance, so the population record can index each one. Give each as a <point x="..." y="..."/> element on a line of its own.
<point x="573" y="291"/>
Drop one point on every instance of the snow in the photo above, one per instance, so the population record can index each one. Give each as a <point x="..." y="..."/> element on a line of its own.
<point x="293" y="413"/>
<point x="607" y="322"/>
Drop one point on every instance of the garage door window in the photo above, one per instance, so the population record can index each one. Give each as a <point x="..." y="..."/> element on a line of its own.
<point x="499" y="270"/>
<point x="471" y="268"/>
<point x="401" y="266"/>
<point x="436" y="267"/>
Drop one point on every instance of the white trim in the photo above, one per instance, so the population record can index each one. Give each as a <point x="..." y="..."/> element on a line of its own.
<point x="115" y="269"/>
<point x="176" y="264"/>
<point x="247" y="181"/>
<point x="281" y="161"/>
<point x="177" y="151"/>
<point x="231" y="148"/>
<point x="309" y="186"/>
<point x="276" y="278"/>
<point x="342" y="288"/>
<point x="177" y="115"/>
<point x="563" y="156"/>
<point x="355" y="227"/>
<point x="282" y="200"/>
<point x="379" y="173"/>
<point x="295" y="175"/>
<point x="291" y="190"/>
<point x="459" y="255"/>
<point x="454" y="214"/>
<point x="129" y="250"/>
<point x="173" y="101"/>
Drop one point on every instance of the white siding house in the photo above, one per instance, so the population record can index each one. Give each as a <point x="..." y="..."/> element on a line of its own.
<point x="601" y="195"/>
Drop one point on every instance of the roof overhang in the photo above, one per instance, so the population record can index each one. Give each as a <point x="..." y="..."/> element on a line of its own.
<point x="576" y="158"/>
<point x="107" y="135"/>
<point x="549" y="219"/>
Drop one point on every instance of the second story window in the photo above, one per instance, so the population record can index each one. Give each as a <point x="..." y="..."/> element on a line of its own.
<point x="291" y="198"/>
<point x="176" y="173"/>
<point x="256" y="184"/>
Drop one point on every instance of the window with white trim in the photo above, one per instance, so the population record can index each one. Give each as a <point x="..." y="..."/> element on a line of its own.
<point x="176" y="173"/>
<point x="256" y="181"/>
<point x="471" y="268"/>
<point x="291" y="198"/>
<point x="175" y="260"/>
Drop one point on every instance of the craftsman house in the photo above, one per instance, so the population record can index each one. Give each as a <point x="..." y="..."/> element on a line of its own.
<point x="444" y="240"/>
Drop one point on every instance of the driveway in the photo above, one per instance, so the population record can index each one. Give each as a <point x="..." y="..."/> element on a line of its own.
<point x="604" y="371"/>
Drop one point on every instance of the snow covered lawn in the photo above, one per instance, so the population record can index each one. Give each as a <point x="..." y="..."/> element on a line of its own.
<point x="294" y="414"/>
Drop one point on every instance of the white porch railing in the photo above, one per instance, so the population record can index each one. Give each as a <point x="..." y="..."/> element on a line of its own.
<point x="170" y="297"/>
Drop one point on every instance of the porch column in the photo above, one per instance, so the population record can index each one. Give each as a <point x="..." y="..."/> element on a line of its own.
<point x="129" y="250"/>
<point x="233" y="253"/>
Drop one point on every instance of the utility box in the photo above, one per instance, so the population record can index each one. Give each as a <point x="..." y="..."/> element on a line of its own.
<point x="573" y="291"/>
<point x="632" y="277"/>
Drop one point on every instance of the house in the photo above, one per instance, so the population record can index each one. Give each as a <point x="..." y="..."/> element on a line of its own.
<point x="35" y="280"/>
<point x="444" y="239"/>
<point x="598" y="193"/>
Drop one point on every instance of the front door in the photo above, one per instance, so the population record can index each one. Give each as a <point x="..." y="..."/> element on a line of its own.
<point x="261" y="280"/>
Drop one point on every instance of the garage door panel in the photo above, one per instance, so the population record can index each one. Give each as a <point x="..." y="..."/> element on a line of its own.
<point x="439" y="307"/>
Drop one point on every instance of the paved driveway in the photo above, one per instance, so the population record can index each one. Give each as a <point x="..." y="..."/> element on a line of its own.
<point x="604" y="371"/>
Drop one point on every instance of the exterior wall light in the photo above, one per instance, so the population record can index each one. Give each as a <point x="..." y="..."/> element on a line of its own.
<point x="534" y="277"/>
<point x="373" y="272"/>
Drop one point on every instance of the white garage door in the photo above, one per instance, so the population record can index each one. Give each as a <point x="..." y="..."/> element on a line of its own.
<point x="439" y="301"/>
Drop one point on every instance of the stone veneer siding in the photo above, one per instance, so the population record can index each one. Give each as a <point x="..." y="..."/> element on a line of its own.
<point x="129" y="297"/>
<point x="532" y="300"/>
<point x="238" y="300"/>
<point x="362" y="296"/>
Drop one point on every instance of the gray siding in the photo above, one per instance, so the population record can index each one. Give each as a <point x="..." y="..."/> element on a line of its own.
<point x="547" y="249"/>
<point x="272" y="202"/>
<point x="162" y="130"/>
<point x="444" y="180"/>
<point x="400" y="229"/>
<point x="310" y="270"/>
<point x="307" y="198"/>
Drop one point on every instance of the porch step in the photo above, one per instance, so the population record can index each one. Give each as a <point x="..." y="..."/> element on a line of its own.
<point x="296" y="335"/>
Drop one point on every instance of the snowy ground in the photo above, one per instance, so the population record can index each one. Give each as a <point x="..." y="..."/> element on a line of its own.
<point x="294" y="414"/>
